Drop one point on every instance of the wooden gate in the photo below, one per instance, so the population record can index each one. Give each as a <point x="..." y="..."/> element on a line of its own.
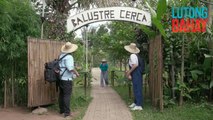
<point x="40" y="51"/>
<point x="156" y="68"/>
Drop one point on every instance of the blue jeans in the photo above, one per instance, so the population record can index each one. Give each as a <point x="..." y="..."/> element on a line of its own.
<point x="137" y="81"/>
<point x="104" y="78"/>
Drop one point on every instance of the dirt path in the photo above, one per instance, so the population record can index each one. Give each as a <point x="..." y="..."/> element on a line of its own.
<point x="25" y="114"/>
<point x="106" y="103"/>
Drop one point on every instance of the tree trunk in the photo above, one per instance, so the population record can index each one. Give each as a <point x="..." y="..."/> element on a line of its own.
<point x="120" y="64"/>
<point x="182" y="72"/>
<point x="210" y="92"/>
<point x="12" y="82"/>
<point x="209" y="13"/>
<point x="125" y="63"/>
<point x="92" y="61"/>
<point x="211" y="45"/>
<point x="173" y="74"/>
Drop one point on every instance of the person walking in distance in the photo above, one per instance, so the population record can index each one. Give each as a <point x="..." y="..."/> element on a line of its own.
<point x="104" y="72"/>
<point x="67" y="72"/>
<point x="135" y="74"/>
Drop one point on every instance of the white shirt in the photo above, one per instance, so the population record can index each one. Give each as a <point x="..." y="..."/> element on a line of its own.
<point x="133" y="59"/>
<point x="66" y="62"/>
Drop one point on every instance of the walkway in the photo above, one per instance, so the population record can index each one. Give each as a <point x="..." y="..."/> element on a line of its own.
<point x="106" y="103"/>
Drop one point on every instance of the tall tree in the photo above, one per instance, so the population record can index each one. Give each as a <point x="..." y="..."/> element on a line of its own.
<point x="18" y="20"/>
<point x="57" y="11"/>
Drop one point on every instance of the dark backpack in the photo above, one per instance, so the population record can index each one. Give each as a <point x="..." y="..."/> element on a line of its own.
<point x="141" y="64"/>
<point x="52" y="70"/>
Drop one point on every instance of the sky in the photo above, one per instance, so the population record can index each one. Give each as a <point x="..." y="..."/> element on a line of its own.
<point x="94" y="25"/>
<point x="78" y="31"/>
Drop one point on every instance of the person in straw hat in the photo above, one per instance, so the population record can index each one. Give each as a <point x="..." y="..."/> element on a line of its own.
<point x="104" y="72"/>
<point x="135" y="74"/>
<point x="67" y="72"/>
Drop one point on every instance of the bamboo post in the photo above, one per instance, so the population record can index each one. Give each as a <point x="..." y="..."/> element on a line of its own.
<point x="121" y="65"/>
<point x="5" y="94"/>
<point x="42" y="19"/>
<point x="85" y="83"/>
<point x="112" y="77"/>
<point x="130" y="90"/>
<point x="86" y="38"/>
<point x="173" y="73"/>
<point x="182" y="72"/>
<point x="13" y="95"/>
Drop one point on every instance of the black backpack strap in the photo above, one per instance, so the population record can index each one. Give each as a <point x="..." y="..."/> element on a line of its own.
<point x="63" y="72"/>
<point x="139" y="60"/>
<point x="63" y="57"/>
<point x="65" y="67"/>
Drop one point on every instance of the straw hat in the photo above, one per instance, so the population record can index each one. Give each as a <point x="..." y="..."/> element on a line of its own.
<point x="132" y="48"/>
<point x="103" y="60"/>
<point x="69" y="47"/>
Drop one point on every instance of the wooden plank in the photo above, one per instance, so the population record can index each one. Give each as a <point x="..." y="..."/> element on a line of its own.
<point x="41" y="72"/>
<point x="151" y="76"/>
<point x="32" y="70"/>
<point x="155" y="64"/>
<point x="156" y="67"/>
<point x="160" y="74"/>
<point x="52" y="85"/>
<point x="39" y="52"/>
<point x="45" y="84"/>
<point x="47" y="59"/>
<point x="36" y="90"/>
<point x="28" y="70"/>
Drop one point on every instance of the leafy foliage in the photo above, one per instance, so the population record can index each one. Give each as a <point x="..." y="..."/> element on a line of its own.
<point x="197" y="69"/>
<point x="53" y="14"/>
<point x="18" y="21"/>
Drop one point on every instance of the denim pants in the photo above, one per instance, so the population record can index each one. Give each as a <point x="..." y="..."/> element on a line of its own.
<point x="65" y="88"/>
<point x="137" y="81"/>
<point x="104" y="78"/>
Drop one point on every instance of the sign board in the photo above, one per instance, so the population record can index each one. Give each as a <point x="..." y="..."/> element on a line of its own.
<point x="108" y="14"/>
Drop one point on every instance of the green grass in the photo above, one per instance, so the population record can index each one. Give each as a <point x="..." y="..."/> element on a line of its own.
<point x="189" y="111"/>
<point x="79" y="102"/>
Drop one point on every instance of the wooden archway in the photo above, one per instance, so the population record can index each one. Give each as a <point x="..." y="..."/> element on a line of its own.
<point x="129" y="14"/>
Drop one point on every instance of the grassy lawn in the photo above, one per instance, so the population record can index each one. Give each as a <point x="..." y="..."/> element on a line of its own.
<point x="189" y="111"/>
